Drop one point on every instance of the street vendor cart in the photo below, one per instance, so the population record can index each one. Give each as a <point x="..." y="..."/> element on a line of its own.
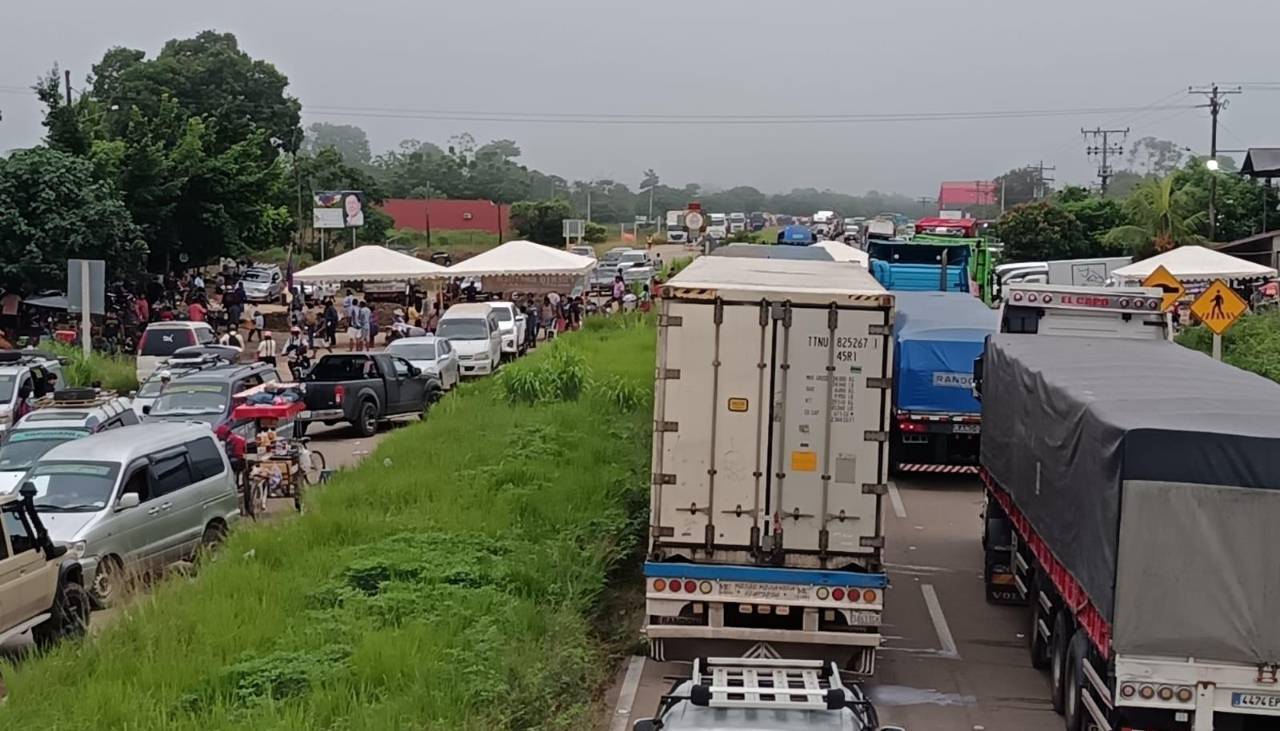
<point x="275" y="465"/>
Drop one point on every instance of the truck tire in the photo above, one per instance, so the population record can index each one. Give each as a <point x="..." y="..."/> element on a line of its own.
<point x="366" y="422"/>
<point x="70" y="616"/>
<point x="429" y="399"/>
<point x="1037" y="644"/>
<point x="1058" y="650"/>
<point x="1073" y="712"/>
<point x="300" y="428"/>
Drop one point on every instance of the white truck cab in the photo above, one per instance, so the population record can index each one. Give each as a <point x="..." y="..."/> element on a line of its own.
<point x="1093" y="312"/>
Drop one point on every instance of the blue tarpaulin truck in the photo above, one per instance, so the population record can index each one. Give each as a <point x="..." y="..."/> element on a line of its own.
<point x="937" y="421"/>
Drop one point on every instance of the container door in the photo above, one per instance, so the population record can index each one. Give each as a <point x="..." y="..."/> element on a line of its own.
<point x="710" y="431"/>
<point x="830" y="412"/>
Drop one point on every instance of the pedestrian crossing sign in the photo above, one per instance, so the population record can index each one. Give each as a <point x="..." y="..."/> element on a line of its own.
<point x="1219" y="307"/>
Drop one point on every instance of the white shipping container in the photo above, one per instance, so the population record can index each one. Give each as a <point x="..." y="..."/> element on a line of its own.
<point x="771" y="407"/>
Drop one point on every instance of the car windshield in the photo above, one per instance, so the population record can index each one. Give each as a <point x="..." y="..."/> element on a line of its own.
<point x="73" y="487"/>
<point x="413" y="351"/>
<point x="7" y="382"/>
<point x="257" y="275"/>
<point x="504" y="314"/>
<point x="191" y="398"/>
<point x="164" y="341"/>
<point x="637" y="258"/>
<point x="462" y="329"/>
<point x="25" y="446"/>
<point x="150" y="388"/>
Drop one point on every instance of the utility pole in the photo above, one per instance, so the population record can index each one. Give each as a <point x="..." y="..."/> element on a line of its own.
<point x="1215" y="105"/>
<point x="1042" y="183"/>
<point x="67" y="76"/>
<point x="1105" y="150"/>
<point x="924" y="202"/>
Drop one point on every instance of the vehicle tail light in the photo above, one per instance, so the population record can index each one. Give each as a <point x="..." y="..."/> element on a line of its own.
<point x="674" y="586"/>
<point x="705" y="587"/>
<point x="822" y="593"/>
<point x="1185" y="694"/>
<point x="1127" y="690"/>
<point x="338" y="392"/>
<point x="1047" y="299"/>
<point x="690" y="586"/>
<point x="659" y="584"/>
<point x="837" y="594"/>
<point x="1153" y="304"/>
<point x="1032" y="297"/>
<point x="1124" y="302"/>
<point x="1147" y="692"/>
<point x="869" y="596"/>
<point x="1165" y="693"/>
<point x="907" y="425"/>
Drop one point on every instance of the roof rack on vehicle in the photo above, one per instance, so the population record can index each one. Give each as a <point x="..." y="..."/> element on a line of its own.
<point x="759" y="683"/>
<point x="66" y="398"/>
<point x="26" y="356"/>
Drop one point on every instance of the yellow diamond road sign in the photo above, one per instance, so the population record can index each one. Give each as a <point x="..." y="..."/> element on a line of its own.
<point x="1219" y="307"/>
<point x="1167" y="283"/>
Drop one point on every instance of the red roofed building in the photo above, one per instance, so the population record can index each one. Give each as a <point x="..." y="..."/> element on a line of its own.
<point x="418" y="214"/>
<point x="959" y="195"/>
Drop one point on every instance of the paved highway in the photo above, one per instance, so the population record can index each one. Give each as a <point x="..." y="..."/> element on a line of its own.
<point x="951" y="662"/>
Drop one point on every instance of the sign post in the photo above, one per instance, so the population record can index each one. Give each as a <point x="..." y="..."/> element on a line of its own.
<point x="86" y="294"/>
<point x="574" y="228"/>
<point x="1164" y="280"/>
<point x="1218" y="308"/>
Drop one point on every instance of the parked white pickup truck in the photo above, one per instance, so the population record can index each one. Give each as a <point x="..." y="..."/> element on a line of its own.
<point x="513" y="323"/>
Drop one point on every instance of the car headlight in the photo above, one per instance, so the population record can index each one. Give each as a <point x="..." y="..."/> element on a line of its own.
<point x="75" y="550"/>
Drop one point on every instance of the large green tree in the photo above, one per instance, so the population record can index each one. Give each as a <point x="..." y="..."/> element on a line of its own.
<point x="350" y="142"/>
<point x="53" y="208"/>
<point x="1041" y="231"/>
<point x="540" y="221"/>
<point x="1160" y="218"/>
<point x="327" y="170"/>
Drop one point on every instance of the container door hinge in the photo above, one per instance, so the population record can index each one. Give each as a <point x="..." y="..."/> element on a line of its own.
<point x="666" y="426"/>
<point x="871" y="541"/>
<point x="669" y="374"/>
<point x="660" y="478"/>
<point x="874" y="488"/>
<point x="884" y="383"/>
<point x="875" y="436"/>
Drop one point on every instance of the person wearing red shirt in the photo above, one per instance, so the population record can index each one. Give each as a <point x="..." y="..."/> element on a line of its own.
<point x="196" y="311"/>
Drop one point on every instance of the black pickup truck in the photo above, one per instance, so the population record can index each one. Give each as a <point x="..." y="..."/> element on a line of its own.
<point x="363" y="389"/>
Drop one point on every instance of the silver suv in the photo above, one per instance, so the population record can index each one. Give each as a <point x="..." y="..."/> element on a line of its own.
<point x="68" y="414"/>
<point x="131" y="501"/>
<point x="763" y="695"/>
<point x="41" y="584"/>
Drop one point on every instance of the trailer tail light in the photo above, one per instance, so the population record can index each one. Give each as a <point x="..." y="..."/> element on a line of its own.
<point x="1127" y="690"/>
<point x="837" y="594"/>
<point x="870" y="596"/>
<point x="1185" y="695"/>
<point x="1017" y="296"/>
<point x="1146" y="692"/>
<point x="338" y="392"/>
<point x="659" y="584"/>
<point x="822" y="593"/>
<point x="690" y="586"/>
<point x="1048" y="298"/>
<point x="674" y="586"/>
<point x="1165" y="693"/>
<point x="907" y="425"/>
<point x="705" y="587"/>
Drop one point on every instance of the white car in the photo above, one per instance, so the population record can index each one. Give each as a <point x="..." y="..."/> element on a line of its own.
<point x="162" y="339"/>
<point x="474" y="332"/>
<point x="24" y="369"/>
<point x="433" y="355"/>
<point x="263" y="283"/>
<point x="513" y="323"/>
<point x="583" y="251"/>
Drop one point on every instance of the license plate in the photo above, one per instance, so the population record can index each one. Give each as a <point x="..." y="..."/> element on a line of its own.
<point x="753" y="590"/>
<point x="304" y="415"/>
<point x="968" y="428"/>
<point x="1255" y="700"/>
<point x="865" y="619"/>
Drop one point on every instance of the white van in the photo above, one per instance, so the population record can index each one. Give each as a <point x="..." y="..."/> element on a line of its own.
<point x="162" y="339"/>
<point x="135" y="499"/>
<point x="24" y="371"/>
<point x="475" y="334"/>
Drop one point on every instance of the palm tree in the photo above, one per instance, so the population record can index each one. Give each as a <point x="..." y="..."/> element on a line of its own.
<point x="1159" y="220"/>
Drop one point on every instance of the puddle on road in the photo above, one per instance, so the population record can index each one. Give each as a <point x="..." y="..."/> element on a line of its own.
<point x="902" y="695"/>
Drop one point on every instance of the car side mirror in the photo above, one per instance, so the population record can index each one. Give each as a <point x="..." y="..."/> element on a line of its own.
<point x="978" y="369"/>
<point x="28" y="490"/>
<point x="644" y="724"/>
<point x="133" y="394"/>
<point x="414" y="371"/>
<point x="127" y="501"/>
<point x="146" y="409"/>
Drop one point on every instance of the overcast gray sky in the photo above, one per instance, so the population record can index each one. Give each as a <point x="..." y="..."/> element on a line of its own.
<point x="741" y="57"/>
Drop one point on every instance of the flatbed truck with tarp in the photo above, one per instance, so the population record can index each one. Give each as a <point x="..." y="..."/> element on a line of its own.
<point x="1132" y="497"/>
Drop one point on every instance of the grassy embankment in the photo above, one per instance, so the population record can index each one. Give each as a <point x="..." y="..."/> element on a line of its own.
<point x="450" y="582"/>
<point x="1253" y="343"/>
<point x="115" y="372"/>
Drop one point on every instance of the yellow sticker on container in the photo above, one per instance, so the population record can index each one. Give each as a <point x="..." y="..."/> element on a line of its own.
<point x="738" y="405"/>
<point x="804" y="461"/>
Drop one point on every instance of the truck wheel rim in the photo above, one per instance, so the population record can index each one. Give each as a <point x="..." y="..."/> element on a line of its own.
<point x="103" y="584"/>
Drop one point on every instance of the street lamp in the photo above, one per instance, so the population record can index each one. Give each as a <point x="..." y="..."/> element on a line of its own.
<point x="1212" y="164"/>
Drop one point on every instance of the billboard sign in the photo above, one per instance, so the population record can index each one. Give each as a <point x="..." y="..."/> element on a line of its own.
<point x="337" y="209"/>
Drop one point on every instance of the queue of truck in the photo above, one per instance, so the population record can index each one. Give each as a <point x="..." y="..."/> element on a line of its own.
<point x="1130" y="483"/>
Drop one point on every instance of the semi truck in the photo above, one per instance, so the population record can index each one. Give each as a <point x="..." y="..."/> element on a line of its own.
<point x="937" y="422"/>
<point x="771" y="417"/>
<point x="676" y="232"/>
<point x="1131" y="503"/>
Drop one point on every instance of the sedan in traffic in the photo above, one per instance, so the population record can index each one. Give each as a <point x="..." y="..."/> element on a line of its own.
<point x="433" y="355"/>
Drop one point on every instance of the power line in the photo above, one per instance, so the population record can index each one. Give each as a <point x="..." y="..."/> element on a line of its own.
<point x="1104" y="151"/>
<point x="1215" y="105"/>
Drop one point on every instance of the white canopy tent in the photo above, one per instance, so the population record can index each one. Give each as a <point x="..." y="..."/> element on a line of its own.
<point x="524" y="259"/>
<point x="1194" y="264"/>
<point x="843" y="252"/>
<point x="371" y="263"/>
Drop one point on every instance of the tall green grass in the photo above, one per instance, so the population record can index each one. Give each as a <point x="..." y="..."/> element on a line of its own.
<point x="449" y="582"/>
<point x="115" y="372"/>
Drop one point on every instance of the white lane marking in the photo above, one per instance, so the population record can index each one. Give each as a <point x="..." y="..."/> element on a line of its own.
<point x="627" y="696"/>
<point x="895" y="497"/>
<point x="945" y="640"/>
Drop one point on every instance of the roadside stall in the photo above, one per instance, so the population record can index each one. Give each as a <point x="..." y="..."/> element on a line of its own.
<point x="376" y="265"/>
<point x="526" y="268"/>
<point x="1196" y="267"/>
<point x="274" y="465"/>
